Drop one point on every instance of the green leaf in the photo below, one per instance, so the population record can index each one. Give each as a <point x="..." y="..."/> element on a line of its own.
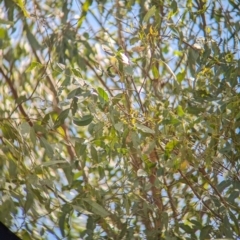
<point x="186" y="228"/>
<point x="25" y="128"/>
<point x="64" y="218"/>
<point x="206" y="54"/>
<point x="94" y="154"/>
<point x="60" y="67"/>
<point x="227" y="227"/>
<point x="180" y="76"/>
<point x="160" y="172"/>
<point x="118" y="126"/>
<point x="195" y="223"/>
<point x="144" y="128"/>
<point x="33" y="136"/>
<point x="134" y="40"/>
<point x="85" y="8"/>
<point x="236" y="222"/>
<point x="80" y="148"/>
<point x="135" y="139"/>
<point x="76" y="72"/>
<point x="32" y="39"/>
<point x="26" y="235"/>
<point x="81" y="210"/>
<point x="74" y="93"/>
<point x="90" y="226"/>
<point x="13" y="169"/>
<point x="44" y="143"/>
<point x="84" y="121"/>
<point x="233" y="196"/>
<point x="223" y="185"/>
<point x="21" y="99"/>
<point x="50" y="163"/>
<point x="174" y="6"/>
<point x="74" y="106"/>
<point x="29" y="201"/>
<point x="42" y="232"/>
<point x="61" y="223"/>
<point x="34" y="65"/>
<point x="195" y="110"/>
<point x="97" y="208"/>
<point x="68" y="173"/>
<point x="117" y="98"/>
<point x="6" y="22"/>
<point x="173" y="120"/>
<point x="61" y="118"/>
<point x="205" y="232"/>
<point x="128" y="70"/>
<point x="3" y="34"/>
<point x="149" y="14"/>
<point x="102" y="95"/>
<point x="124" y="230"/>
<point x="165" y="219"/>
<point x="155" y="72"/>
<point x="180" y="111"/>
<point x="110" y="71"/>
<point x="8" y="131"/>
<point x="20" y="3"/>
<point x="170" y="146"/>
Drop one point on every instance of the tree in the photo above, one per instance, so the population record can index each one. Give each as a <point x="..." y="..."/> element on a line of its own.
<point x="120" y="119"/>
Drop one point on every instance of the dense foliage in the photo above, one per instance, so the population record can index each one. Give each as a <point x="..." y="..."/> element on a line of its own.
<point x="120" y="119"/>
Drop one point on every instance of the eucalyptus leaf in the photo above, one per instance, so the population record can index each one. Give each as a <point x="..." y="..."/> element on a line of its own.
<point x="149" y="14"/>
<point x="144" y="128"/>
<point x="45" y="144"/>
<point x="97" y="208"/>
<point x="83" y="121"/>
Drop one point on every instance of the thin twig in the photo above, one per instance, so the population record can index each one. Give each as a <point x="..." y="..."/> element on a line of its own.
<point x="15" y="95"/>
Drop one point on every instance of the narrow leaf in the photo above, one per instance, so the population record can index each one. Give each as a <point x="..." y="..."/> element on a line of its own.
<point x="236" y="222"/>
<point x="145" y="129"/>
<point x="6" y="22"/>
<point x="155" y="72"/>
<point x="25" y="128"/>
<point x="32" y="39"/>
<point x="84" y="121"/>
<point x="223" y="185"/>
<point x="180" y="111"/>
<point x="61" y="223"/>
<point x="85" y="8"/>
<point x="81" y="210"/>
<point x="174" y="6"/>
<point x="180" y="76"/>
<point x="61" y="118"/>
<point x="94" y="154"/>
<point x="33" y="65"/>
<point x="50" y="163"/>
<point x="97" y="208"/>
<point x="44" y="143"/>
<point x="33" y="136"/>
<point x="76" y="72"/>
<point x="169" y="147"/>
<point x="29" y="201"/>
<point x="20" y="3"/>
<point x="74" y="93"/>
<point x="103" y="95"/>
<point x="149" y="14"/>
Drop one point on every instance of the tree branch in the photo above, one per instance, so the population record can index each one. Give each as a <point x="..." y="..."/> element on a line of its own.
<point x="15" y="95"/>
